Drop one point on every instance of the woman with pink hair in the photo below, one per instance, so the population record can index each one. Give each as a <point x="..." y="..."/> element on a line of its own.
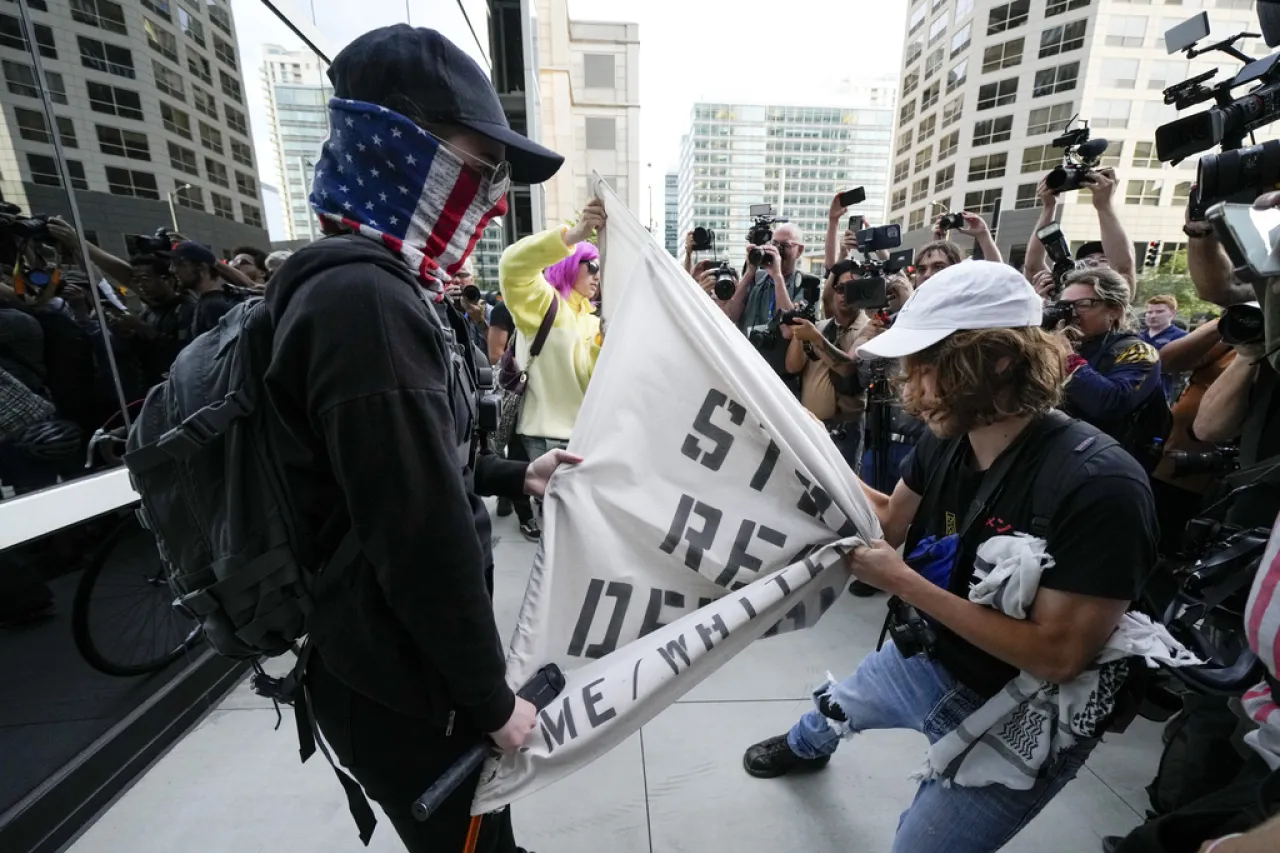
<point x="557" y="267"/>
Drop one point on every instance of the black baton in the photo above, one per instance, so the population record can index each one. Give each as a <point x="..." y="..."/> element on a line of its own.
<point x="540" y="691"/>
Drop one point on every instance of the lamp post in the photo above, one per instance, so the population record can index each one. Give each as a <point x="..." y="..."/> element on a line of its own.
<point x="173" y="211"/>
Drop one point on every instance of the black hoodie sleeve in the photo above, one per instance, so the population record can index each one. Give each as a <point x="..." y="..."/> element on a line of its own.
<point x="377" y="392"/>
<point x="498" y="476"/>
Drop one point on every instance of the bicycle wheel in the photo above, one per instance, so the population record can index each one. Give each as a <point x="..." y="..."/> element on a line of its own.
<point x="123" y="619"/>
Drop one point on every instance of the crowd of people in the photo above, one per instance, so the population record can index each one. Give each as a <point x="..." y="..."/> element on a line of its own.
<point x="974" y="401"/>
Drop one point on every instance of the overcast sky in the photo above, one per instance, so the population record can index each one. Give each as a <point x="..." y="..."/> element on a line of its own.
<point x="798" y="51"/>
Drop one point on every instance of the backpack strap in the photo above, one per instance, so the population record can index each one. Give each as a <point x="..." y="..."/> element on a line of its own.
<point x="1060" y="468"/>
<point x="544" y="330"/>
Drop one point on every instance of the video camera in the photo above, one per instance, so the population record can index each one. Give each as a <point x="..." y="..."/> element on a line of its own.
<point x="30" y="228"/>
<point x="1080" y="156"/>
<point x="869" y="291"/>
<point x="1237" y="173"/>
<point x="141" y="244"/>
<point x="761" y="231"/>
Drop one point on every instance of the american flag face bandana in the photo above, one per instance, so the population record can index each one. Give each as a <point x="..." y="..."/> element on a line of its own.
<point x="383" y="176"/>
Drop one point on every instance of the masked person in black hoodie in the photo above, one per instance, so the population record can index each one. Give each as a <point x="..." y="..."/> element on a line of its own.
<point x="373" y="379"/>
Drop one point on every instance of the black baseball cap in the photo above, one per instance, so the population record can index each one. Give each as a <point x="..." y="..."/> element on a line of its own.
<point x="192" y="251"/>
<point x="398" y="63"/>
<point x="1089" y="247"/>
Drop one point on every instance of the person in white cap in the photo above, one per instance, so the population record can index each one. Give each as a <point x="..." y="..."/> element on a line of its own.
<point x="985" y="377"/>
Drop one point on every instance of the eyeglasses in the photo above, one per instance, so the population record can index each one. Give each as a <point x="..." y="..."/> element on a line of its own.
<point x="1085" y="304"/>
<point x="783" y="246"/>
<point x="593" y="266"/>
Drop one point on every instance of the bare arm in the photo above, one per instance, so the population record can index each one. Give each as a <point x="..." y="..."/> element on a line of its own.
<point x="688" y="252"/>
<point x="1034" y="262"/>
<point x="234" y="276"/>
<point x="1187" y="352"/>
<point x="733" y="308"/>
<point x="1226" y="403"/>
<point x="895" y="512"/>
<point x="496" y="338"/>
<point x="1115" y="242"/>
<point x="115" y="269"/>
<point x="795" y="355"/>
<point x="1213" y="273"/>
<point x="833" y="228"/>
<point x="1260" y="839"/>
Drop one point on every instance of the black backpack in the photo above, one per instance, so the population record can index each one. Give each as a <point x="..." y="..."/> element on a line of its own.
<point x="213" y="496"/>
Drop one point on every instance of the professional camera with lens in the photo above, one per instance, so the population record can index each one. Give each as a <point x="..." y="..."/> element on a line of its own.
<point x="911" y="633"/>
<point x="869" y="291"/>
<point x="1055" y="314"/>
<point x="1080" y="156"/>
<point x="1223" y="459"/>
<point x="761" y="232"/>
<point x="806" y="307"/>
<point x="472" y="294"/>
<point x="30" y="228"/>
<point x="1059" y="252"/>
<point x="726" y="282"/>
<point x="704" y="239"/>
<point x="141" y="244"/>
<point x="951" y="221"/>
<point x="1241" y="324"/>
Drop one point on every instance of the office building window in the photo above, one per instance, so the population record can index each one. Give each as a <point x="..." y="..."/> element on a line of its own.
<point x="222" y="206"/>
<point x="1005" y="55"/>
<point x="938" y="28"/>
<point x="183" y="159"/>
<point x="1040" y="158"/>
<point x="204" y="102"/>
<point x="948" y="144"/>
<point x="598" y="71"/>
<point x="161" y="40"/>
<point x="106" y="57"/>
<point x="230" y="86"/>
<point x="987" y="166"/>
<point x="175" y="120"/>
<point x="217" y="172"/>
<point x="115" y="101"/>
<point x="1181" y="193"/>
<point x="961" y="39"/>
<point x="924" y="157"/>
<point x="1111" y="157"/>
<point x="168" y="81"/>
<point x="241" y="153"/>
<point x="199" y="66"/>
<point x="963" y="8"/>
<point x="247" y="184"/>
<point x="32" y="126"/>
<point x="1119" y="73"/>
<point x="123" y="143"/>
<point x="905" y="140"/>
<point x="159" y="7"/>
<point x="916" y="20"/>
<point x="102" y="14"/>
<point x="211" y="138"/>
<point x="131" y="183"/>
<point x="898" y="200"/>
<point x="236" y="120"/>
<point x="57" y="87"/>
<point x="998" y="94"/>
<point x="906" y="112"/>
<point x="929" y="96"/>
<point x="21" y="80"/>
<point x="1027" y="197"/>
<point x="957" y="75"/>
<point x="1126" y="31"/>
<point x="1144" y="156"/>
<point x="1145" y="193"/>
<point x="1063" y="38"/>
<point x="910" y="82"/>
<point x="992" y="130"/>
<point x="1111" y="112"/>
<point x="982" y="201"/>
<point x="602" y="134"/>
<point x="1049" y="119"/>
<point x="188" y="196"/>
<point x="191" y="25"/>
<point x="915" y="47"/>
<point x="44" y="171"/>
<point x="1050" y="81"/>
<point x="927" y="126"/>
<point x="220" y="17"/>
<point x="920" y="189"/>
<point x="1164" y="74"/>
<point x="901" y="171"/>
<point x="252" y="215"/>
<point x="916" y="219"/>
<point x="952" y="111"/>
<point x="1008" y="16"/>
<point x="39" y="5"/>
<point x="12" y="35"/>
<point x="225" y="52"/>
<point x="67" y="132"/>
<point x="1058" y="7"/>
<point x="945" y="178"/>
<point x="933" y="64"/>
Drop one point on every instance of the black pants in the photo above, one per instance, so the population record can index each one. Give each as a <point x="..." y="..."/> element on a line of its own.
<point x="516" y="450"/>
<point x="395" y="758"/>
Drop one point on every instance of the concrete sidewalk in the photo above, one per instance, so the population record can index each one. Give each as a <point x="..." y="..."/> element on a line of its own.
<point x="234" y="785"/>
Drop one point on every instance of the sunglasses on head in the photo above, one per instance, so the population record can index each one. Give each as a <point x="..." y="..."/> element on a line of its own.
<point x="593" y="266"/>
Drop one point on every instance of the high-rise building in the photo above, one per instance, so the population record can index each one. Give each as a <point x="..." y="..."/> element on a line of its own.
<point x="672" y="219"/>
<point x="297" y="95"/>
<point x="589" y="81"/>
<point x="793" y="157"/>
<point x="988" y="84"/>
<point x="149" y="105"/>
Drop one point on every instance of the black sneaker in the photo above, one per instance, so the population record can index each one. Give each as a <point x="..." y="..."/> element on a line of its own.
<point x="771" y="758"/>
<point x="863" y="590"/>
<point x="531" y="530"/>
<point x="505" y="507"/>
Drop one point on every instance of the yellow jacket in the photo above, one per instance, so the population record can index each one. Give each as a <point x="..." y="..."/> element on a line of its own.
<point x="559" y="375"/>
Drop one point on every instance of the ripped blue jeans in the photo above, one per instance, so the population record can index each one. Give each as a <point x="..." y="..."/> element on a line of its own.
<point x="889" y="691"/>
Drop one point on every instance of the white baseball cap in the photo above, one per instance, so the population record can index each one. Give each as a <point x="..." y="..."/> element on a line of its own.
<point x="966" y="296"/>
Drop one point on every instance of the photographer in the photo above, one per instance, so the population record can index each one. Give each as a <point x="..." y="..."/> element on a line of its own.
<point x="1113" y="376"/>
<point x="985" y="377"/>
<point x="197" y="270"/>
<point x="824" y="357"/>
<point x="974" y="226"/>
<point x="1114" y="250"/>
<point x="466" y="297"/>
<point x="250" y="262"/>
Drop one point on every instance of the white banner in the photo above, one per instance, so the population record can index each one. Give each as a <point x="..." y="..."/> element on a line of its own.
<point x="710" y="510"/>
